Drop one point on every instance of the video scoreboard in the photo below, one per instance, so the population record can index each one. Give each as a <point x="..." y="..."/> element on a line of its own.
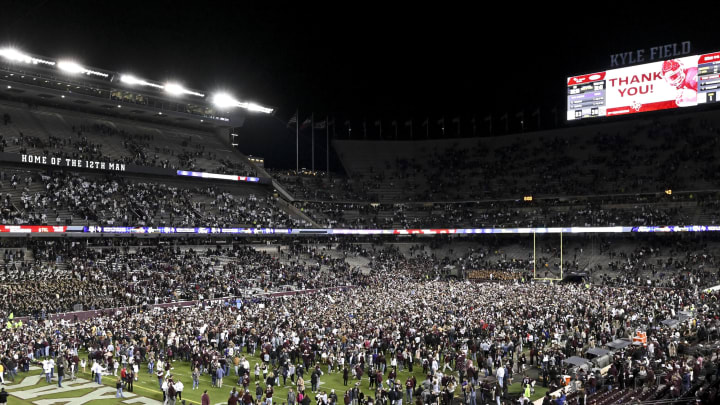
<point x="673" y="83"/>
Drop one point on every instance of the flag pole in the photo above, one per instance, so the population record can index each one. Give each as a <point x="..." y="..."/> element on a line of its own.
<point x="312" y="141"/>
<point x="297" y="140"/>
<point x="327" y="145"/>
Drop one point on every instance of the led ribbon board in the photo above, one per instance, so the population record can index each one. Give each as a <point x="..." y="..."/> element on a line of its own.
<point x="218" y="176"/>
<point x="168" y="230"/>
<point x="426" y="232"/>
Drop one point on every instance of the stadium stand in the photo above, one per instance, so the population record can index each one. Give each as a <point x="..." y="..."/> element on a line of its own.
<point x="472" y="311"/>
<point x="611" y="158"/>
<point x="46" y="130"/>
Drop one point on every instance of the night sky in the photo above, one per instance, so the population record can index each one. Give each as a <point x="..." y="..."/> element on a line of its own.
<point x="360" y="61"/>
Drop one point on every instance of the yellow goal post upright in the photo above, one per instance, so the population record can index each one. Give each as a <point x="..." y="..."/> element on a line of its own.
<point x="535" y="277"/>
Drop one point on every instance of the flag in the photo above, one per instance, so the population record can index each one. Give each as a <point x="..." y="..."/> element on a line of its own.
<point x="521" y="116"/>
<point x="425" y="122"/>
<point x="441" y="121"/>
<point x="408" y="123"/>
<point x="293" y="120"/>
<point x="456" y="120"/>
<point x="378" y="123"/>
<point x="536" y="113"/>
<point x="347" y="123"/>
<point x="320" y="125"/>
<point x="394" y="123"/>
<point x="306" y="123"/>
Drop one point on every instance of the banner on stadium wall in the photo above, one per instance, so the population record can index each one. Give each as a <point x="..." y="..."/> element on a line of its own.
<point x="111" y="166"/>
<point x="674" y="83"/>
<point x="32" y="229"/>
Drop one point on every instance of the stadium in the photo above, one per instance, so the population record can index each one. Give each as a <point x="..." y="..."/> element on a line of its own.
<point x="228" y="228"/>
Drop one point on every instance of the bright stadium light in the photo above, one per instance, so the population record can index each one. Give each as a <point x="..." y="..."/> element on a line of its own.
<point x="70" y="67"/>
<point x="176" y="90"/>
<point x="74" y="68"/>
<point x="256" y="107"/>
<point x="132" y="80"/>
<point x="224" y="100"/>
<point x="14" y="55"/>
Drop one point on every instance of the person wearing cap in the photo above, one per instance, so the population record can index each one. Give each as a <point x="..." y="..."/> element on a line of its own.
<point x="205" y="399"/>
<point x="247" y="398"/>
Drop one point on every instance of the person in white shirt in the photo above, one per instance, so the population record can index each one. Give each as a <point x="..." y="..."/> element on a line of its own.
<point x="179" y="388"/>
<point x="291" y="372"/>
<point x="46" y="370"/>
<point x="500" y="374"/>
<point x="52" y="367"/>
<point x="97" y="369"/>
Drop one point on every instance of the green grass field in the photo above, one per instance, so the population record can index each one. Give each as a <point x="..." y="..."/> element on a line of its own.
<point x="147" y="387"/>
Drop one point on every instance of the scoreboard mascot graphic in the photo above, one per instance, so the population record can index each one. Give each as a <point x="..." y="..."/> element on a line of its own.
<point x="683" y="79"/>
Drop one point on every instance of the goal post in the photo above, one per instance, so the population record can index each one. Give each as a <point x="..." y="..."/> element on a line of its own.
<point x="535" y="277"/>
